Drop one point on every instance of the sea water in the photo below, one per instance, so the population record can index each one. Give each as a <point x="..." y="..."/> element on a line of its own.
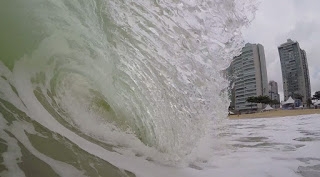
<point x="130" y="88"/>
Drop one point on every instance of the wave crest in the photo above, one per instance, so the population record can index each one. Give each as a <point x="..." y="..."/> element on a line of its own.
<point x="144" y="69"/>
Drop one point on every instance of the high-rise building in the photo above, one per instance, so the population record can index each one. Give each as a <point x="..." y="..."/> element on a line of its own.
<point x="249" y="76"/>
<point x="306" y="73"/>
<point x="273" y="92"/>
<point x="295" y="72"/>
<point x="273" y="87"/>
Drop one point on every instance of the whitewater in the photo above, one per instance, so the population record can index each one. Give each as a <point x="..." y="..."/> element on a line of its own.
<point x="135" y="88"/>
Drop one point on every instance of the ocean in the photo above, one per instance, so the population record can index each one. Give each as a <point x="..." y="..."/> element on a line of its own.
<point x="134" y="88"/>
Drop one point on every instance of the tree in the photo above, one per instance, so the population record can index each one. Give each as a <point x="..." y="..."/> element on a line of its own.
<point x="251" y="100"/>
<point x="263" y="99"/>
<point x="260" y="99"/>
<point x="309" y="102"/>
<point x="274" y="102"/>
<point x="297" y="96"/>
<point x="316" y="96"/>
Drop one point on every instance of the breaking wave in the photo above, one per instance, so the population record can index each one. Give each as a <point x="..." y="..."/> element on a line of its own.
<point x="141" y="75"/>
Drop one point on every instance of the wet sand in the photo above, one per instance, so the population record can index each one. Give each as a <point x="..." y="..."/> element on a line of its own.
<point x="276" y="113"/>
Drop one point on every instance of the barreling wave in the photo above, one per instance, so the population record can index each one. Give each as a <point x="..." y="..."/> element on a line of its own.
<point x="124" y="73"/>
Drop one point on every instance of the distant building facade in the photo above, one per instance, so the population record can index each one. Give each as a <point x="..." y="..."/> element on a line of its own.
<point x="273" y="92"/>
<point x="249" y="77"/>
<point x="295" y="72"/>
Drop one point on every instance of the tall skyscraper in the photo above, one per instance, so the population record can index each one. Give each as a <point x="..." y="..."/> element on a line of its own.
<point x="273" y="91"/>
<point x="249" y="75"/>
<point x="273" y="87"/>
<point x="295" y="72"/>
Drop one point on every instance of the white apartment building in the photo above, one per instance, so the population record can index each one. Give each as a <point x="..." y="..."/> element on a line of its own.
<point x="249" y="77"/>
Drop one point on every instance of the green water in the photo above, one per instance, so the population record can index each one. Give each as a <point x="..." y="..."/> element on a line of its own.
<point x="108" y="87"/>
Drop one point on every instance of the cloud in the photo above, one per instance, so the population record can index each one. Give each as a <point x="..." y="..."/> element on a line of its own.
<point x="275" y="22"/>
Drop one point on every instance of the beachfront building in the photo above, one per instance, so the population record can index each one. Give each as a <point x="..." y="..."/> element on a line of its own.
<point x="273" y="92"/>
<point x="295" y="72"/>
<point x="249" y="77"/>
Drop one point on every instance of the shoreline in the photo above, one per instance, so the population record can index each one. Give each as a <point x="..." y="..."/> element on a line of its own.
<point x="276" y="114"/>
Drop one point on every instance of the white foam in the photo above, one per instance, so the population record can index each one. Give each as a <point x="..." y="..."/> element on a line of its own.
<point x="12" y="156"/>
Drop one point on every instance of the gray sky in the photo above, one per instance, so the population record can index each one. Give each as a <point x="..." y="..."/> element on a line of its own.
<point x="278" y="20"/>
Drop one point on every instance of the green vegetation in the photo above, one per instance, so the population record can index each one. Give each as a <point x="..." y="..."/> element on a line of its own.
<point x="262" y="99"/>
<point x="316" y="96"/>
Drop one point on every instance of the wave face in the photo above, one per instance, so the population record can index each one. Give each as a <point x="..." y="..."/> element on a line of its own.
<point x="142" y="75"/>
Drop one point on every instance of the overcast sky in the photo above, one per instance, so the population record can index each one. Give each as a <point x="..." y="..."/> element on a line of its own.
<point x="278" y="20"/>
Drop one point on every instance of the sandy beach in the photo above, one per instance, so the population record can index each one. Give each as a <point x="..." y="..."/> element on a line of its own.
<point x="276" y="113"/>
